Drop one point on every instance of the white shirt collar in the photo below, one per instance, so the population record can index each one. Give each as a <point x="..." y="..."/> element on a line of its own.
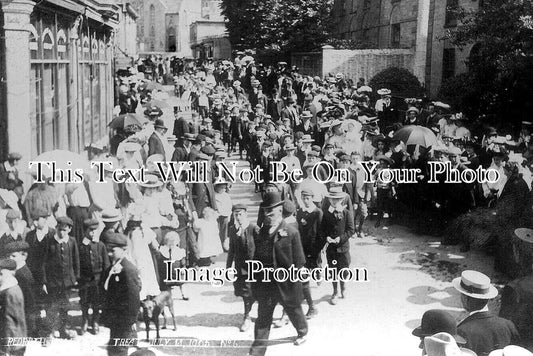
<point x="485" y="309"/>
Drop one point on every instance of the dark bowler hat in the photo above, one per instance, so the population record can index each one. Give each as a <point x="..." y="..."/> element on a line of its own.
<point x="271" y="200"/>
<point x="8" y="264"/>
<point x="15" y="246"/>
<point x="65" y="220"/>
<point x="116" y="240"/>
<point x="435" y="321"/>
<point x="91" y="224"/>
<point x="239" y="207"/>
<point x="160" y="124"/>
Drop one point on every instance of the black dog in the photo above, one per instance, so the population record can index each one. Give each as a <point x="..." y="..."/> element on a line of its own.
<point x="153" y="307"/>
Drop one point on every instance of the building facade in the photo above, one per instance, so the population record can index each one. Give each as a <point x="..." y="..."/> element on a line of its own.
<point x="408" y="24"/>
<point x="126" y="45"/>
<point x="164" y="25"/>
<point x="209" y="39"/>
<point x="56" y="70"/>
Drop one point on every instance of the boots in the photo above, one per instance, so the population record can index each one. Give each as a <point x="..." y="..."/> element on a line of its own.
<point x="246" y="323"/>
<point x="94" y="321"/>
<point x="84" y="320"/>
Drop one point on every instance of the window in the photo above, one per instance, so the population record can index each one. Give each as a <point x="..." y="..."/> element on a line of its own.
<point x="448" y="63"/>
<point x="172" y="39"/>
<point x="451" y="19"/>
<point x="395" y="35"/>
<point x="366" y="4"/>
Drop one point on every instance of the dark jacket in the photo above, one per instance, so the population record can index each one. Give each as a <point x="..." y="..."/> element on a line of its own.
<point x="338" y="224"/>
<point x="241" y="248"/>
<point x="35" y="260"/>
<point x="122" y="301"/>
<point x="181" y="127"/>
<point x="485" y="332"/>
<point x="517" y="306"/>
<point x="93" y="261"/>
<point x="27" y="285"/>
<point x="61" y="269"/>
<point x="155" y="145"/>
<point x="12" y="317"/>
<point x="287" y="251"/>
<point x="309" y="225"/>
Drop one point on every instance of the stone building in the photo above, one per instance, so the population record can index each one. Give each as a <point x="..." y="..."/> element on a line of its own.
<point x="56" y="89"/>
<point x="164" y="25"/>
<point x="409" y="24"/>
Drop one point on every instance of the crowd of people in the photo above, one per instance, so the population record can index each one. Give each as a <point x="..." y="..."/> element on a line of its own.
<point x="108" y="242"/>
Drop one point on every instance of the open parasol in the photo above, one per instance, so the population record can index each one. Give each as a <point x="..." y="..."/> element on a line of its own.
<point x="416" y="135"/>
<point x="153" y="86"/>
<point x="158" y="103"/>
<point x="126" y="120"/>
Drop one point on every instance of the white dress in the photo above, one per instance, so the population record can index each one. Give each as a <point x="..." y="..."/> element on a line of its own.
<point x="141" y="257"/>
<point x="208" y="238"/>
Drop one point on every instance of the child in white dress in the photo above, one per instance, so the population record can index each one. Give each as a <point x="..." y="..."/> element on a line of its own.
<point x="209" y="245"/>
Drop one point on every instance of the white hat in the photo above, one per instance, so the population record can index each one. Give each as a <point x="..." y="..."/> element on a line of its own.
<point x="511" y="350"/>
<point x="475" y="284"/>
<point x="443" y="344"/>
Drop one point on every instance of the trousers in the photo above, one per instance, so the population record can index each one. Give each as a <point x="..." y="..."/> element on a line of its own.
<point x="265" y="309"/>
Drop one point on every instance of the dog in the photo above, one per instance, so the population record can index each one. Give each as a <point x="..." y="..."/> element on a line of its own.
<point x="153" y="307"/>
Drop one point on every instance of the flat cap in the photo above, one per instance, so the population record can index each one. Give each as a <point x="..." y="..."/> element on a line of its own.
<point x="289" y="207"/>
<point x="65" y="220"/>
<point x="116" y="240"/>
<point x="208" y="150"/>
<point x="239" y="207"/>
<point x="7" y="263"/>
<point x="91" y="223"/>
<point x="308" y="191"/>
<point x="15" y="246"/>
<point x="316" y="148"/>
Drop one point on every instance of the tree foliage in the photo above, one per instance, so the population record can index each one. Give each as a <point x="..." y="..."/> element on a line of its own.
<point x="500" y="67"/>
<point x="400" y="81"/>
<point x="283" y="25"/>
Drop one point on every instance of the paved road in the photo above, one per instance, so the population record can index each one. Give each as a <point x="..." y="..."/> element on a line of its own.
<point x="408" y="274"/>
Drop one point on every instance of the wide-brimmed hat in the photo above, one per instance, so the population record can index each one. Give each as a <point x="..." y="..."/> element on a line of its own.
<point x="475" y="284"/>
<point x="153" y="111"/>
<point x="384" y="91"/>
<point x="160" y="124"/>
<point x="307" y="114"/>
<point x="336" y="192"/>
<point x="443" y="344"/>
<point x="111" y="215"/>
<point x="152" y="181"/>
<point x="435" y="321"/>
<point x="307" y="139"/>
<point x="413" y="109"/>
<point x="271" y="200"/>
<point x="511" y="350"/>
<point x="131" y="147"/>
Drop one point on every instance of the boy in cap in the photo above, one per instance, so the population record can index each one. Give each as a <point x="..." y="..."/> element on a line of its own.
<point x="9" y="174"/>
<point x="122" y="288"/>
<point x="13" y="233"/>
<point x="17" y="251"/>
<point x="12" y="317"/>
<point x="93" y="262"/>
<point x="309" y="218"/>
<point x="61" y="273"/>
<point x="241" y="234"/>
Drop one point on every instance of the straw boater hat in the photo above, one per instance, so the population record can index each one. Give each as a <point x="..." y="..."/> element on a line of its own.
<point x="384" y="91"/>
<point x="111" y="215"/>
<point x="152" y="181"/>
<point x="443" y="344"/>
<point x="307" y="114"/>
<point x="384" y="158"/>
<point x="475" y="284"/>
<point x="307" y="139"/>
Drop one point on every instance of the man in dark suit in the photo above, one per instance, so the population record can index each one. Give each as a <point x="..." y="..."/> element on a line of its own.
<point x="306" y="126"/>
<point x="61" y="273"/>
<point x="291" y="111"/>
<point x="155" y="142"/>
<point x="483" y="331"/>
<point x="277" y="245"/>
<point x="181" y="127"/>
<point x="122" y="286"/>
<point x="203" y="193"/>
<point x="181" y="153"/>
<point x="241" y="248"/>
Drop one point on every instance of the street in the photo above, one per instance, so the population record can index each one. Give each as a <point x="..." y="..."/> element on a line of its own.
<point x="408" y="274"/>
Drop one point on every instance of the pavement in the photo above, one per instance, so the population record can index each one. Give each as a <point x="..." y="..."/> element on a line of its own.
<point x="407" y="275"/>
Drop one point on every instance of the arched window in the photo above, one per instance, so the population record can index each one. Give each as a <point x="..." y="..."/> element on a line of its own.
<point x="171" y="39"/>
<point x="395" y="27"/>
<point x="152" y="15"/>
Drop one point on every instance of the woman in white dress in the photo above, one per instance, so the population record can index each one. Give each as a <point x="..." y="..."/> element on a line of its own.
<point x="139" y="250"/>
